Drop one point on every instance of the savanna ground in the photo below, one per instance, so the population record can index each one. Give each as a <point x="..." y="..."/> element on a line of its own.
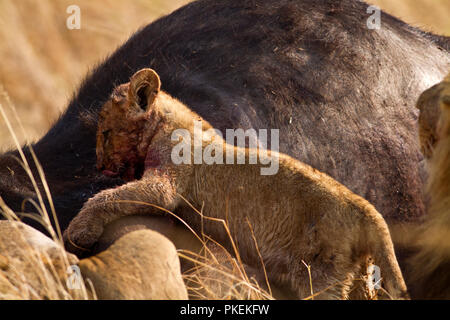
<point x="42" y="62"/>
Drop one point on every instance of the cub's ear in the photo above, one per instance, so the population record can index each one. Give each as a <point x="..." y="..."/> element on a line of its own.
<point x="144" y="87"/>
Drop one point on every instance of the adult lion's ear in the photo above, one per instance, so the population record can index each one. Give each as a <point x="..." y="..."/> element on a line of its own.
<point x="144" y="87"/>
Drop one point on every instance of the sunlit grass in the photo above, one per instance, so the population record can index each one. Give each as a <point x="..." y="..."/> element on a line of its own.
<point x="44" y="276"/>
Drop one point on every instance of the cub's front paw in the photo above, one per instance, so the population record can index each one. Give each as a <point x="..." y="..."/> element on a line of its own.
<point x="83" y="233"/>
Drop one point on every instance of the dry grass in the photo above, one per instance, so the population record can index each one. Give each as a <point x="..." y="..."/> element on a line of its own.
<point x="219" y="275"/>
<point x="30" y="274"/>
<point x="42" y="62"/>
<point x="34" y="274"/>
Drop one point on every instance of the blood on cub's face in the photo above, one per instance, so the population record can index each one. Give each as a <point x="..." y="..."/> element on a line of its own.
<point x="118" y="137"/>
<point x="126" y="125"/>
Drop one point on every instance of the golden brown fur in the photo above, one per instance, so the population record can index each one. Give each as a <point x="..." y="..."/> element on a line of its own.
<point x="432" y="264"/>
<point x="297" y="215"/>
<point x="429" y="106"/>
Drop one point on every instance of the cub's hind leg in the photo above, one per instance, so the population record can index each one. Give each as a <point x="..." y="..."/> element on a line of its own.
<point x="335" y="247"/>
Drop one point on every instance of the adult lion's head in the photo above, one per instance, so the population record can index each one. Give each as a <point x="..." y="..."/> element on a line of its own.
<point x="432" y="261"/>
<point x="429" y="104"/>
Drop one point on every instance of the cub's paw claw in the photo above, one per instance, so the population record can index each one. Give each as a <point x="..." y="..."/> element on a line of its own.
<point x="82" y="234"/>
<point x="72" y="245"/>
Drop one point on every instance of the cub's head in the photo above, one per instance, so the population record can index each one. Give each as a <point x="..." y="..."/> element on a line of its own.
<point x="431" y="103"/>
<point x="126" y="124"/>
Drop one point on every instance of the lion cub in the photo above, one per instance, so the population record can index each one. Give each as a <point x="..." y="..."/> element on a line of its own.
<point x="297" y="216"/>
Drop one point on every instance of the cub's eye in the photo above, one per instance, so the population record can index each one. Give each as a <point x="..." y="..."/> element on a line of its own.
<point x="106" y="134"/>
